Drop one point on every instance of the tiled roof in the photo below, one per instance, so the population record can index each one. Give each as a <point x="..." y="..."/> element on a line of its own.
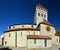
<point x="46" y="22"/>
<point x="22" y="29"/>
<point x="37" y="37"/>
<point x="41" y="6"/>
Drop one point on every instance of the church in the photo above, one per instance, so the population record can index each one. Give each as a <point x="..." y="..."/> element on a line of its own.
<point x="41" y="34"/>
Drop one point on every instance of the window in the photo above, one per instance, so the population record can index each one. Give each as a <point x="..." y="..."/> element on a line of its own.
<point x="13" y="27"/>
<point x="34" y="33"/>
<point x="38" y="14"/>
<point x="21" y="34"/>
<point x="48" y="28"/>
<point x="5" y="42"/>
<point x="42" y="15"/>
<point x="22" y="25"/>
<point x="34" y="41"/>
<point x="39" y="8"/>
<point x="29" y="33"/>
<point x="45" y="42"/>
<point x="9" y="35"/>
<point x="32" y="26"/>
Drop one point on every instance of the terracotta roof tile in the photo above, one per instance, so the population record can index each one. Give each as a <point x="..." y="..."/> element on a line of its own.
<point x="38" y="37"/>
<point x="46" y="22"/>
<point x="22" y="29"/>
<point x="41" y="6"/>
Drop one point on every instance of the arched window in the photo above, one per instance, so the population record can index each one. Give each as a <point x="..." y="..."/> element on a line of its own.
<point x="38" y="14"/>
<point x="32" y="26"/>
<point x="5" y="42"/>
<point x="44" y="16"/>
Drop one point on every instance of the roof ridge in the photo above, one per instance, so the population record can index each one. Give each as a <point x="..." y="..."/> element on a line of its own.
<point x="38" y="36"/>
<point x="40" y="5"/>
<point x="46" y="22"/>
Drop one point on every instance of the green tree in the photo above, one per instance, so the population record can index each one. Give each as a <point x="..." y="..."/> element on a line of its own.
<point x="58" y="34"/>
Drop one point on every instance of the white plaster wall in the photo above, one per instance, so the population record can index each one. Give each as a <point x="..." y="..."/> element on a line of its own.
<point x="21" y="40"/>
<point x="20" y="26"/>
<point x="43" y="30"/>
<point x="55" y="40"/>
<point x="10" y="40"/>
<point x="49" y="43"/>
<point x="40" y="18"/>
<point x="30" y="43"/>
<point x="34" y="32"/>
<point x="37" y="32"/>
<point x="39" y="43"/>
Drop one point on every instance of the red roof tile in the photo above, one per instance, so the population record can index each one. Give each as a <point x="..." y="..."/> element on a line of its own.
<point x="22" y="29"/>
<point x="46" y="22"/>
<point x="38" y="37"/>
<point x="41" y="6"/>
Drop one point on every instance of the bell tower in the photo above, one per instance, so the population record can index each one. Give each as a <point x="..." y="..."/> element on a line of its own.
<point x="40" y="14"/>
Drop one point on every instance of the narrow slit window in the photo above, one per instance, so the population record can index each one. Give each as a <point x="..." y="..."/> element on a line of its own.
<point x="5" y="42"/>
<point x="34" y="41"/>
<point x="9" y="35"/>
<point x="21" y="34"/>
<point x="38" y="14"/>
<point x="34" y="33"/>
<point x="42" y="15"/>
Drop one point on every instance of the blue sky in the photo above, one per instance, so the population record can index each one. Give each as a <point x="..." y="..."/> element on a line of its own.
<point x="22" y="11"/>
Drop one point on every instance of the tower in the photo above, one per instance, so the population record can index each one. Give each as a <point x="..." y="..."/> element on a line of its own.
<point x="40" y="14"/>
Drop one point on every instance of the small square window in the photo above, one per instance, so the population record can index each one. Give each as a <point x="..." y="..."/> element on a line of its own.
<point x="22" y="25"/>
<point x="5" y="42"/>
